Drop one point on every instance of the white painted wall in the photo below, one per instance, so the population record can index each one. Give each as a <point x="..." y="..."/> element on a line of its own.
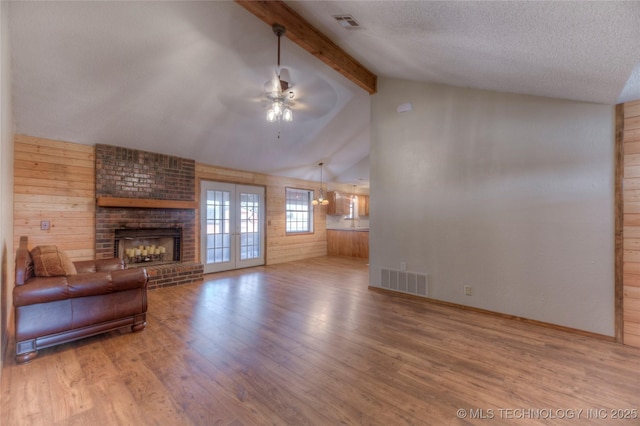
<point x="6" y="176"/>
<point x="510" y="194"/>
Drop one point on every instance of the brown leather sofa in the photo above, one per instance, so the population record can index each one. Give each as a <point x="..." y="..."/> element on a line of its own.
<point x="102" y="296"/>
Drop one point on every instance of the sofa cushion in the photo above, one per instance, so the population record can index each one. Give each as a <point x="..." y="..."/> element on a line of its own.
<point x="49" y="261"/>
<point x="99" y="265"/>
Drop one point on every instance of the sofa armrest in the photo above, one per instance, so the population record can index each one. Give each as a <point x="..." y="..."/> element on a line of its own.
<point x="24" y="263"/>
<point x="128" y="279"/>
<point x="41" y="290"/>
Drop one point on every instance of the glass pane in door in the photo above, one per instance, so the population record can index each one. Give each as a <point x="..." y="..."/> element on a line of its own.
<point x="249" y="226"/>
<point x="218" y="248"/>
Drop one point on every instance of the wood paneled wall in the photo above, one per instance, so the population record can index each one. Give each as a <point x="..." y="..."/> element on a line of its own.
<point x="631" y="224"/>
<point x="280" y="247"/>
<point x="55" y="181"/>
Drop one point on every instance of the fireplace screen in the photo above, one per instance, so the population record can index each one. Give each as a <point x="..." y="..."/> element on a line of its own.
<point x="142" y="247"/>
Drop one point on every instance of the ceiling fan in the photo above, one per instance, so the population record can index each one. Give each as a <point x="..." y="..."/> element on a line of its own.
<point x="277" y="90"/>
<point x="293" y="93"/>
<point x="310" y="98"/>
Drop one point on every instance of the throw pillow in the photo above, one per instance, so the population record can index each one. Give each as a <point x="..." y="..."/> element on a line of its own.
<point x="49" y="261"/>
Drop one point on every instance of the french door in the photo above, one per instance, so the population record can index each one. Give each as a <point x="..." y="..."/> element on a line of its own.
<point x="232" y="226"/>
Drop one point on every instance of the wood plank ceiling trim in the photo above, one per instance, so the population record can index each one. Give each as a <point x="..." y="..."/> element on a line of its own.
<point x="312" y="40"/>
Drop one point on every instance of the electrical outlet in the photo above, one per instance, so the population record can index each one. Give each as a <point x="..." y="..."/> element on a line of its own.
<point x="45" y="225"/>
<point x="467" y="290"/>
<point x="403" y="266"/>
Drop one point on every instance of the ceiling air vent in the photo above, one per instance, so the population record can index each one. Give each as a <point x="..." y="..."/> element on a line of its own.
<point x="347" y="21"/>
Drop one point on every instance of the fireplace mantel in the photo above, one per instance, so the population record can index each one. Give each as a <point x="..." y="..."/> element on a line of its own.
<point x="145" y="203"/>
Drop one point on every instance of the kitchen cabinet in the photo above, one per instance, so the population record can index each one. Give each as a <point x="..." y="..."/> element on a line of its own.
<point x="338" y="204"/>
<point x="351" y="243"/>
<point x="363" y="205"/>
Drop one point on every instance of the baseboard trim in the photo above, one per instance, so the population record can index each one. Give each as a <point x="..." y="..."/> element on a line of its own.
<point x="497" y="314"/>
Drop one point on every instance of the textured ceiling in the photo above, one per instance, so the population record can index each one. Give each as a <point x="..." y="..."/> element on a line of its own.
<point x="582" y="51"/>
<point x="186" y="78"/>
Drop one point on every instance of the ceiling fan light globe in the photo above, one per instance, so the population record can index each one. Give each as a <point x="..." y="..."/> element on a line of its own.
<point x="271" y="116"/>
<point x="277" y="108"/>
<point x="314" y="202"/>
<point x="287" y="115"/>
<point x="325" y="202"/>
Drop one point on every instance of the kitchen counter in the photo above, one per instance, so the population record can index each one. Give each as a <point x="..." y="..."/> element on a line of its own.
<point x="350" y="242"/>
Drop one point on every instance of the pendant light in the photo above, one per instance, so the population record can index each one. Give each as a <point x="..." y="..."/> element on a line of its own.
<point x="320" y="200"/>
<point x="277" y="91"/>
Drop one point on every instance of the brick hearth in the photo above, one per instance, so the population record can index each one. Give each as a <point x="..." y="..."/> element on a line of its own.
<point x="174" y="274"/>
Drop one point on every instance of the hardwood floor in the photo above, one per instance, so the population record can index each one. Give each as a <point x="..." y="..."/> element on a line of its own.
<point x="306" y="343"/>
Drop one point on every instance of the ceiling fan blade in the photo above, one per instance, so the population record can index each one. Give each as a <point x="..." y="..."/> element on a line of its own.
<point x="245" y="103"/>
<point x="317" y="92"/>
<point x="273" y="87"/>
<point x="313" y="101"/>
<point x="285" y="79"/>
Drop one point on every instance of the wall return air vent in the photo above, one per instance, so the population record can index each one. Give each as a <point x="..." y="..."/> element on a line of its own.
<point x="405" y="282"/>
<point x="347" y="21"/>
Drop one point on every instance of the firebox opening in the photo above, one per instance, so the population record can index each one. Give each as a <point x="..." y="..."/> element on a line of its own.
<point x="151" y="246"/>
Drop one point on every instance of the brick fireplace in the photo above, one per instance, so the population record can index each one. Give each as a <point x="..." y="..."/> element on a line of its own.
<point x="127" y="181"/>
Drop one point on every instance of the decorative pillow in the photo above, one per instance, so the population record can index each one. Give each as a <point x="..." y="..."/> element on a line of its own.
<point x="48" y="261"/>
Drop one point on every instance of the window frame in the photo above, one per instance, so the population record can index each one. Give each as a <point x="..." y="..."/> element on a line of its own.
<point x="287" y="211"/>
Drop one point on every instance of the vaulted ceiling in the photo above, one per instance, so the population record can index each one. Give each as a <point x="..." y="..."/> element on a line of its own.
<point x="187" y="78"/>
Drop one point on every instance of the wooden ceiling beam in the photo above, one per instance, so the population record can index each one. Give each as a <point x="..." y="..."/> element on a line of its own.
<point x="312" y="40"/>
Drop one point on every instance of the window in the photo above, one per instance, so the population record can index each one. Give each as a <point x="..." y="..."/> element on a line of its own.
<point x="299" y="211"/>
<point x="353" y="207"/>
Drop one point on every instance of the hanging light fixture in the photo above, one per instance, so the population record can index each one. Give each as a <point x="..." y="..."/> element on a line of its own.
<point x="277" y="89"/>
<point x="320" y="199"/>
